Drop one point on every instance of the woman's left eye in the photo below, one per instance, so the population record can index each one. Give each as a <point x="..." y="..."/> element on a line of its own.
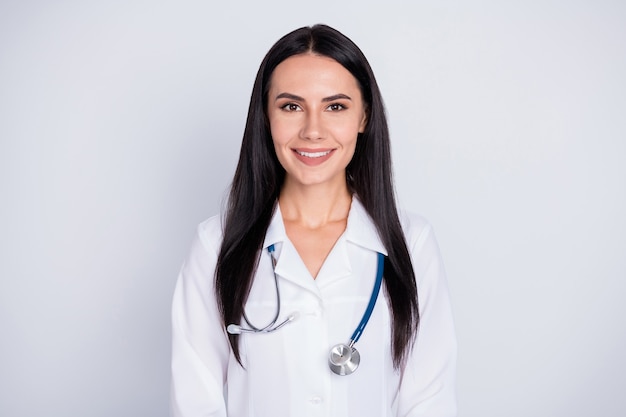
<point x="336" y="107"/>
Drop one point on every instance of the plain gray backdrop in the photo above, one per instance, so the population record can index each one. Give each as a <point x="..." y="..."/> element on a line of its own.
<point x="120" y="125"/>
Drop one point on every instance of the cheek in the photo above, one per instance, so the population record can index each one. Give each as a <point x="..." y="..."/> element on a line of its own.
<point x="280" y="138"/>
<point x="280" y="131"/>
<point x="347" y="133"/>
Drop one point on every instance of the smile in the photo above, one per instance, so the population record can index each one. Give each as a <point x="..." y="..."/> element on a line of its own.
<point x="313" y="157"/>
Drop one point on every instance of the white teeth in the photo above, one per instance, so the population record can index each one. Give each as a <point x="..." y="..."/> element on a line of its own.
<point x="313" y="154"/>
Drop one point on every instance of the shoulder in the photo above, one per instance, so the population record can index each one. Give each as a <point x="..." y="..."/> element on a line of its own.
<point x="416" y="229"/>
<point x="199" y="265"/>
<point x="208" y="236"/>
<point x="421" y="242"/>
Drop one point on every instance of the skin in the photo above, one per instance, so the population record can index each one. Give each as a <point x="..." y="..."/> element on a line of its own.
<point x="315" y="112"/>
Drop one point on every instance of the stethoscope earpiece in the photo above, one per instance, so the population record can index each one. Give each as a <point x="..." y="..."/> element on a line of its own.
<point x="343" y="359"/>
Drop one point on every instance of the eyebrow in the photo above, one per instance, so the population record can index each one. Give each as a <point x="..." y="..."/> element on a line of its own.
<point x="324" y="100"/>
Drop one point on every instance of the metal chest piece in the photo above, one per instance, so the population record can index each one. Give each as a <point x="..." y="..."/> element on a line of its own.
<point x="343" y="359"/>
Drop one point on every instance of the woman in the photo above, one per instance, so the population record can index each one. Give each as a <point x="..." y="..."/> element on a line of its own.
<point x="291" y="270"/>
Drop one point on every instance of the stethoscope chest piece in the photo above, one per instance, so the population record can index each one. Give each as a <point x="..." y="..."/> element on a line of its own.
<point x="343" y="359"/>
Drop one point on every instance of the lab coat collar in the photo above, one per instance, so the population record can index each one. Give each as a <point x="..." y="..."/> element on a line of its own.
<point x="360" y="229"/>
<point x="276" y="230"/>
<point x="289" y="265"/>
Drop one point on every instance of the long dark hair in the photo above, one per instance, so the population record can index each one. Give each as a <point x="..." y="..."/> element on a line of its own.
<point x="259" y="177"/>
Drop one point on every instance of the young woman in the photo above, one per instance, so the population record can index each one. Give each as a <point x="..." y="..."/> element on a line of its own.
<point x="279" y="311"/>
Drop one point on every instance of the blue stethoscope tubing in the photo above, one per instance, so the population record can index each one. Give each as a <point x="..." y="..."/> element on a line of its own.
<point x="370" y="306"/>
<point x="343" y="359"/>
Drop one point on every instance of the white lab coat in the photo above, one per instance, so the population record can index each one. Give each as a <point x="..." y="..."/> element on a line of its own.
<point x="286" y="373"/>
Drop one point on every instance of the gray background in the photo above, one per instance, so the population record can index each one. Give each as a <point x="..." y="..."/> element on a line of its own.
<point x="120" y="124"/>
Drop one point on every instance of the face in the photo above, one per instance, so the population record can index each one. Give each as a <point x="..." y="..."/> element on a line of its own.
<point x="315" y="111"/>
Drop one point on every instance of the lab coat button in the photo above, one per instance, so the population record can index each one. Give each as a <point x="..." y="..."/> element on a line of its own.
<point x="315" y="400"/>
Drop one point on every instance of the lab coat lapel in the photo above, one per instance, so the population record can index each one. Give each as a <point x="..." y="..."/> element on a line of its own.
<point x="361" y="230"/>
<point x="336" y="266"/>
<point x="276" y="230"/>
<point x="289" y="265"/>
<point x="291" y="268"/>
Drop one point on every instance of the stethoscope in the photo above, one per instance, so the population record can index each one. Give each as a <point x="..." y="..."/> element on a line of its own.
<point x="343" y="358"/>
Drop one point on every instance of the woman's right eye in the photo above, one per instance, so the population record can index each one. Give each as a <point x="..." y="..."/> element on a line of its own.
<point x="290" y="107"/>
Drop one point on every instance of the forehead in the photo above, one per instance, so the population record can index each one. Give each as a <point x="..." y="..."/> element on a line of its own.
<point x="312" y="73"/>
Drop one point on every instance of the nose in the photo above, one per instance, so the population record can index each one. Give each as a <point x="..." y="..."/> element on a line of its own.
<point x="313" y="128"/>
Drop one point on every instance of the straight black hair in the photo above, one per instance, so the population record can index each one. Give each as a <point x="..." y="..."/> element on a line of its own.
<point x="259" y="176"/>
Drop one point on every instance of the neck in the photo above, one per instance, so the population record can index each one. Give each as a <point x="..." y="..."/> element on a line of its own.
<point x="316" y="205"/>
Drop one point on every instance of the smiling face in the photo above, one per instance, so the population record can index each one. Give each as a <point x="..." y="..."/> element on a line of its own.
<point x="315" y="112"/>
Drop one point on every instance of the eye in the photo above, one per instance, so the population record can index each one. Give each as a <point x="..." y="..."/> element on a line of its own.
<point x="290" y="107"/>
<point x="336" y="107"/>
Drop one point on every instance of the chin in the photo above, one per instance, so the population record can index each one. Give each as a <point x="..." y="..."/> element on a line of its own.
<point x="316" y="180"/>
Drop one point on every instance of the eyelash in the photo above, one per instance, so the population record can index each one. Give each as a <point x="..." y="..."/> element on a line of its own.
<point x="291" y="107"/>
<point x="340" y="106"/>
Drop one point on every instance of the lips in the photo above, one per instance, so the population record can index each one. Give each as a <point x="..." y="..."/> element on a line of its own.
<point x="313" y="157"/>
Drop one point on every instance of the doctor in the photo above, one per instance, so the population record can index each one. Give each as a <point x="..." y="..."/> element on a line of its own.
<point x="276" y="311"/>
